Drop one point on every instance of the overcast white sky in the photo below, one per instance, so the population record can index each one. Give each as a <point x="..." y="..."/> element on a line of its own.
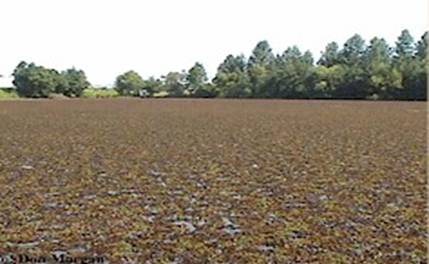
<point x="108" y="37"/>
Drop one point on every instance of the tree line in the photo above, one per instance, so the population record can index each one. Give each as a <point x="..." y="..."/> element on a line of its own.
<point x="356" y="70"/>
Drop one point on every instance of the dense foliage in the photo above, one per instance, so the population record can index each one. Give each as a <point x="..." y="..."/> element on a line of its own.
<point x="129" y="83"/>
<point x="73" y="83"/>
<point x="35" y="81"/>
<point x="8" y="93"/>
<point x="357" y="70"/>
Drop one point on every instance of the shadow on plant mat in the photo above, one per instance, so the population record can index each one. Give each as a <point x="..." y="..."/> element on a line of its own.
<point x="214" y="181"/>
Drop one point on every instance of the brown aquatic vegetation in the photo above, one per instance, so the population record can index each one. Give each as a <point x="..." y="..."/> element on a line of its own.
<point x="214" y="181"/>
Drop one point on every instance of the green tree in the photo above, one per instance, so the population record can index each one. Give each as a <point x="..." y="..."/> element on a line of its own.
<point x="233" y="64"/>
<point x="196" y="81"/>
<point x="307" y="58"/>
<point x="152" y="85"/>
<point x="35" y="81"/>
<point x="351" y="58"/>
<point x="378" y="50"/>
<point x="354" y="83"/>
<point x="129" y="83"/>
<point x="262" y="54"/>
<point x="231" y="79"/>
<point x="421" y="55"/>
<point x="352" y="51"/>
<point x="328" y="79"/>
<point x="73" y="82"/>
<point x="383" y="80"/>
<point x="175" y="83"/>
<point x="294" y="75"/>
<point x="422" y="47"/>
<point x="405" y="45"/>
<point x="260" y="68"/>
<point x="330" y="55"/>
<point x="233" y="85"/>
<point x="406" y="63"/>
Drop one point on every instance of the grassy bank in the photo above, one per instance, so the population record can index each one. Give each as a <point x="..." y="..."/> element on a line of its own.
<point x="8" y="93"/>
<point x="99" y="93"/>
